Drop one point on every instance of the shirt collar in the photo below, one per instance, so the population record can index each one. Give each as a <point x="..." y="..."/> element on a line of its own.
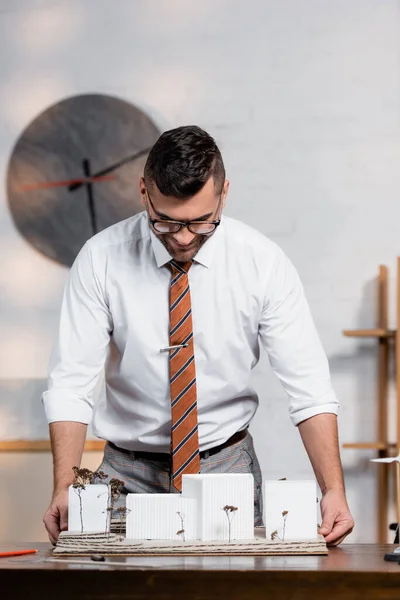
<point x="204" y="255"/>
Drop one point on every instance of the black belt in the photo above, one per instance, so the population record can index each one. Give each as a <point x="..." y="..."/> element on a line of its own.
<point x="162" y="456"/>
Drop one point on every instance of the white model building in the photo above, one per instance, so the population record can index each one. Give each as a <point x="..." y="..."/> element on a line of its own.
<point x="201" y="503"/>
<point x="291" y="510"/>
<point x="215" y="491"/>
<point x="160" y="517"/>
<point x="88" y="507"/>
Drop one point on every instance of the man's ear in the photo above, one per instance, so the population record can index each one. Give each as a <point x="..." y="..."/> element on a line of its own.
<point x="142" y="189"/>
<point x="225" y="192"/>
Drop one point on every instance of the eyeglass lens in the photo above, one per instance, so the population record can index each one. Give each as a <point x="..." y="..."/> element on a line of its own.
<point x="168" y="227"/>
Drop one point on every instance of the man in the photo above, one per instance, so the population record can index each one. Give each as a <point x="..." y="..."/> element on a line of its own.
<point x="174" y="302"/>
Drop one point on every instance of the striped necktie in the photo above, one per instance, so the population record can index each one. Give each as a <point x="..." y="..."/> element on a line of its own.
<point x="184" y="436"/>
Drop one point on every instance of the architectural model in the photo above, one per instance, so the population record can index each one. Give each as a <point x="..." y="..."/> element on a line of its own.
<point x="214" y="513"/>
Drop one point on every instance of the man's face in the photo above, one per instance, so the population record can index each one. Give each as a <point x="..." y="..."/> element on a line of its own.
<point x="206" y="205"/>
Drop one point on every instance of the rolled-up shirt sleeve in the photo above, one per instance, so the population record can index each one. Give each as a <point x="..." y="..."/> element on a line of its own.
<point x="288" y="334"/>
<point x="80" y="350"/>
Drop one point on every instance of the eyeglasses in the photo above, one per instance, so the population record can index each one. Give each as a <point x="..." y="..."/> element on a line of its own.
<point x="197" y="227"/>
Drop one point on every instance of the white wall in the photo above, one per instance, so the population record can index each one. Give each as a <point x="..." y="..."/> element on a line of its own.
<point x="304" y="100"/>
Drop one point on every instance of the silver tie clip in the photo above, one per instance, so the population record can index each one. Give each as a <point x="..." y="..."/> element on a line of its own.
<point x="173" y="347"/>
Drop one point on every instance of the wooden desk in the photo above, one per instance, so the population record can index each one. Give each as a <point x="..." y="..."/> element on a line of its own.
<point x="349" y="572"/>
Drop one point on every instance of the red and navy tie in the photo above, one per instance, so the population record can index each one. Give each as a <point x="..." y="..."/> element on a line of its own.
<point x="184" y="437"/>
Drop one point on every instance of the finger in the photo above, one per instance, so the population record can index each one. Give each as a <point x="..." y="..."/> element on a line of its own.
<point x="327" y="523"/>
<point x="336" y="542"/>
<point x="51" y="522"/>
<point x="64" y="519"/>
<point x="340" y="531"/>
<point x="52" y="536"/>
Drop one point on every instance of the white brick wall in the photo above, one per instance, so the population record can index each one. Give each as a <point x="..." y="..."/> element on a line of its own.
<point x="304" y="99"/>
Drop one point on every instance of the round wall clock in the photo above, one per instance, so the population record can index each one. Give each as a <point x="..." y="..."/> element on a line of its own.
<point x="75" y="170"/>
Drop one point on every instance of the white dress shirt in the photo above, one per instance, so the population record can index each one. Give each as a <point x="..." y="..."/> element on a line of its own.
<point x="115" y="313"/>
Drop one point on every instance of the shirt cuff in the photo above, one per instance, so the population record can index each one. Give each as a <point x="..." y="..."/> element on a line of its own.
<point x="66" y="405"/>
<point x="323" y="405"/>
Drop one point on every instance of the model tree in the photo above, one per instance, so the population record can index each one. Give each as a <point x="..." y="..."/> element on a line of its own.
<point x="230" y="512"/>
<point x="115" y="487"/>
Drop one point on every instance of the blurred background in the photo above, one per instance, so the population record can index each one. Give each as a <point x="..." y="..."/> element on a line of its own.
<point x="303" y="98"/>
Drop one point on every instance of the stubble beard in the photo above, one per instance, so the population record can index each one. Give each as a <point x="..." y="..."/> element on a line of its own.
<point x="183" y="255"/>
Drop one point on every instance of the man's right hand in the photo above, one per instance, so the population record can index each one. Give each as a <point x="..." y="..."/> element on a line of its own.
<point x="67" y="442"/>
<point x="56" y="516"/>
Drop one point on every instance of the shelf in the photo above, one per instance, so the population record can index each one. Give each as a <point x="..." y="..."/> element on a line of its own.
<point x="370" y="333"/>
<point x="370" y="446"/>
<point x="44" y="446"/>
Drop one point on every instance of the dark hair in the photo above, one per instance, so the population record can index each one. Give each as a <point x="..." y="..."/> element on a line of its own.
<point x="182" y="160"/>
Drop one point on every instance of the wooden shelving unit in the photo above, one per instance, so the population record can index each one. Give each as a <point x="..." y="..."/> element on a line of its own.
<point x="388" y="341"/>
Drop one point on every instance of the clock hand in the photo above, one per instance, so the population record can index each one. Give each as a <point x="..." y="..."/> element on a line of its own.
<point x="89" y="189"/>
<point x="75" y="186"/>
<point x="50" y="184"/>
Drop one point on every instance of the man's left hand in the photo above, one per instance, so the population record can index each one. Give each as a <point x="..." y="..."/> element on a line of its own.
<point x="337" y="521"/>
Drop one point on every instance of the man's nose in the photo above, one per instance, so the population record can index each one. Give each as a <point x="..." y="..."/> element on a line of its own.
<point x="184" y="236"/>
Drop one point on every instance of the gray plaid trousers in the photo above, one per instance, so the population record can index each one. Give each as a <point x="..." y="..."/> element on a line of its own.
<point x="154" y="477"/>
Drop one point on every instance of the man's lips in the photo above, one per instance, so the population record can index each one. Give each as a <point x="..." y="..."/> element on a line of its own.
<point x="182" y="246"/>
